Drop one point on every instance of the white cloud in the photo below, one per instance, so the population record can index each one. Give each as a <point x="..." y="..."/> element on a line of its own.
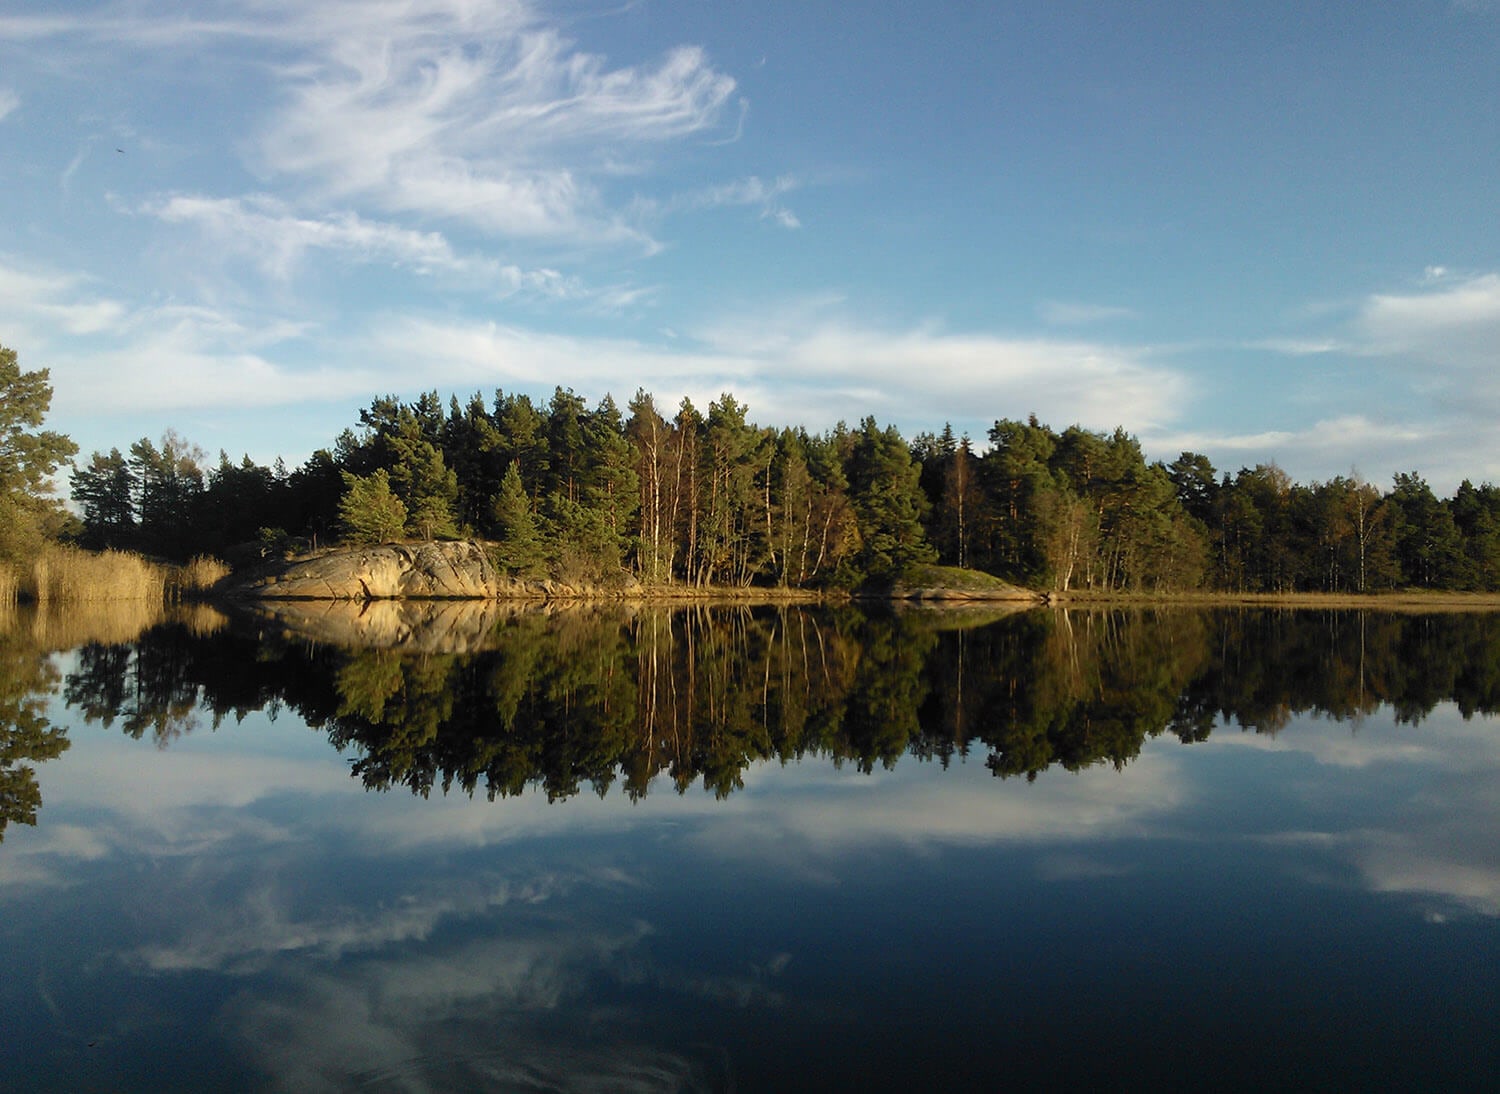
<point x="56" y="301"/>
<point x="1455" y="326"/>
<point x="752" y="191"/>
<point x="1337" y="442"/>
<point x="1064" y="313"/>
<point x="818" y="374"/>
<point x="1301" y="347"/>
<point x="9" y="103"/>
<point x="277" y="240"/>
<point x="477" y="113"/>
<point x="1436" y="347"/>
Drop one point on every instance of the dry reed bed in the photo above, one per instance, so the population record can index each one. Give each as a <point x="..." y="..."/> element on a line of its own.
<point x="74" y="576"/>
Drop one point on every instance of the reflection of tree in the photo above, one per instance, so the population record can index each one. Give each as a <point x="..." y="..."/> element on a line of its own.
<point x="27" y="678"/>
<point x="698" y="695"/>
<point x="148" y="685"/>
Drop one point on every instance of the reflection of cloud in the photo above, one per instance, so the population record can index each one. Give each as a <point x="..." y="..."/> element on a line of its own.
<point x="1393" y="863"/>
<point x="1345" y="745"/>
<point x="241" y="936"/>
<point x="819" y="819"/>
<point x="1441" y="840"/>
<point x="464" y="1019"/>
<point x="48" y="857"/>
<point x="1079" y="868"/>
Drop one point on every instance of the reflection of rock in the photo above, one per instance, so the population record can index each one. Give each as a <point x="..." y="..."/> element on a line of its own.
<point x="425" y="626"/>
<point x="431" y="626"/>
<point x="445" y="570"/>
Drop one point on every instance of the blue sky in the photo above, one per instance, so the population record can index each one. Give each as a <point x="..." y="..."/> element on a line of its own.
<point x="1260" y="231"/>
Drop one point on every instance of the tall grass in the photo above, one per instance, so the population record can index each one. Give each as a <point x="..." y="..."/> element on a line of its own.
<point x="69" y="575"/>
<point x="10" y="586"/>
<point x="201" y="574"/>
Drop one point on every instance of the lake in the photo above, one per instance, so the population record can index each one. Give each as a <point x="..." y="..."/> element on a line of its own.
<point x="458" y="847"/>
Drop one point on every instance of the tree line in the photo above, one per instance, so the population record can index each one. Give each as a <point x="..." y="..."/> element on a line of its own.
<point x="703" y="498"/>
<point x="582" y="493"/>
<point x="559" y="488"/>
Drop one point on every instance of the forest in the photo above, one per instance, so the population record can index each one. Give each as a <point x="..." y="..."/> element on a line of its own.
<point x="708" y="498"/>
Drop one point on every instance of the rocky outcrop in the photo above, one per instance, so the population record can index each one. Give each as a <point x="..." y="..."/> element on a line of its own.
<point x="434" y="571"/>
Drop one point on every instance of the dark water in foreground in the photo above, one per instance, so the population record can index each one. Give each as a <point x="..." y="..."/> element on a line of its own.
<point x="754" y="850"/>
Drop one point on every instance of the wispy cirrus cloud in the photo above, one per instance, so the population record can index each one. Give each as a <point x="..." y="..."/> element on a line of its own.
<point x="1067" y="313"/>
<point x="53" y="301"/>
<point x="753" y="191"/>
<point x="265" y="230"/>
<point x="488" y="118"/>
<point x="10" y="102"/>
<point x="485" y="115"/>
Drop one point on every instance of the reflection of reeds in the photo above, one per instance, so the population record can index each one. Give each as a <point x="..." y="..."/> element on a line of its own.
<point x="201" y="620"/>
<point x="56" y="626"/>
<point x="70" y="575"/>
<point x="108" y="622"/>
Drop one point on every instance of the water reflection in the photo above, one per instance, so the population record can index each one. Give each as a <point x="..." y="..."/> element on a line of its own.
<point x="27" y="738"/>
<point x="489" y="702"/>
<point x="231" y="909"/>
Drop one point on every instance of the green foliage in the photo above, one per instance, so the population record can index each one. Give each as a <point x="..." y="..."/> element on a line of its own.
<point x="885" y="489"/>
<point x="105" y="489"/>
<point x="29" y="456"/>
<point x="519" y="548"/>
<point x="713" y="499"/>
<point x="370" y="512"/>
<point x="168" y="483"/>
<point x="27" y="679"/>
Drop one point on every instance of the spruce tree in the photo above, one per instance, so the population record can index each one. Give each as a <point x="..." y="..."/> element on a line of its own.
<point x="520" y="548"/>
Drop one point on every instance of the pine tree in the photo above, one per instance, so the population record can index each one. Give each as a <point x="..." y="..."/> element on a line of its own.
<point x="28" y="458"/>
<point x="369" y="511"/>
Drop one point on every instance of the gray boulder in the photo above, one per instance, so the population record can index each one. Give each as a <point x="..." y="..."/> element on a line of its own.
<point x="432" y="570"/>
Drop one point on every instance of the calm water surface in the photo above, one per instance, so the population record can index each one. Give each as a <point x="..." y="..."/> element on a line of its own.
<point x="447" y="849"/>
